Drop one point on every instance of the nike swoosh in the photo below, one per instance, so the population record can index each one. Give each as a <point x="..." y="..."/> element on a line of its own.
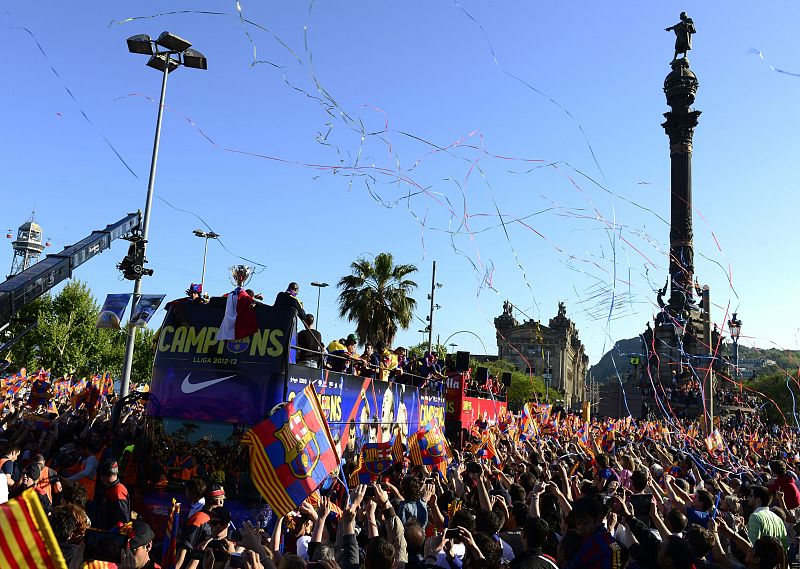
<point x="187" y="387"/>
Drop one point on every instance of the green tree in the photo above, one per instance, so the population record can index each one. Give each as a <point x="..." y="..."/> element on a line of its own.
<point x="143" y="355"/>
<point x="420" y="349"/>
<point x="67" y="341"/>
<point x="782" y="390"/>
<point x="523" y="387"/>
<point x="376" y="296"/>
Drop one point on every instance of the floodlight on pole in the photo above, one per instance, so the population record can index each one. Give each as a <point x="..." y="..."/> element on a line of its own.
<point x="205" y="235"/>
<point x="166" y="62"/>
<point x="319" y="286"/>
<point x="194" y="59"/>
<point x="141" y="44"/>
<point x="173" y="43"/>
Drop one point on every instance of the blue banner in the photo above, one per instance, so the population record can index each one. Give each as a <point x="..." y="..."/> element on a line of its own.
<point x="112" y="310"/>
<point x="361" y="409"/>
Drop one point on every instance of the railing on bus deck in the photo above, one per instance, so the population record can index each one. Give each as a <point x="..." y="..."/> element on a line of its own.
<point x="406" y="378"/>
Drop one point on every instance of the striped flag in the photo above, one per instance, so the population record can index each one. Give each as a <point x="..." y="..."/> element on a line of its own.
<point x="26" y="538"/>
<point x="291" y="452"/>
<point x="171" y="538"/>
<point x="398" y="448"/>
<point x="374" y="460"/>
<point x="427" y="446"/>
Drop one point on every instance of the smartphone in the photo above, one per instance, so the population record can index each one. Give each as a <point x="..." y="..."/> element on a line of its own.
<point x="104" y="546"/>
<point x="237" y="560"/>
<point x="451" y="534"/>
<point x="370" y="493"/>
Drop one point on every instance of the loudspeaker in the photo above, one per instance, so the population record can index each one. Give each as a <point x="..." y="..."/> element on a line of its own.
<point x="507" y="378"/>
<point x="482" y="375"/>
<point x="462" y="361"/>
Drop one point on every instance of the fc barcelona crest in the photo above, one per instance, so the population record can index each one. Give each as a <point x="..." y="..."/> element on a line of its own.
<point x="299" y="445"/>
<point x="435" y="446"/>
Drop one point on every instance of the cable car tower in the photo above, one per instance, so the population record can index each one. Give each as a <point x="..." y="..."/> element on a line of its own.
<point x="27" y="246"/>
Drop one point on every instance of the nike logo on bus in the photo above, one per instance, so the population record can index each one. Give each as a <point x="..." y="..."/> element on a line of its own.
<point x="188" y="387"/>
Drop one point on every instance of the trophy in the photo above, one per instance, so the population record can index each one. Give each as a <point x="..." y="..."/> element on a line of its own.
<point x="241" y="275"/>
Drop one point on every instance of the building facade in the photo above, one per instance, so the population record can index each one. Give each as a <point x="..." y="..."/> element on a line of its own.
<point x="531" y="346"/>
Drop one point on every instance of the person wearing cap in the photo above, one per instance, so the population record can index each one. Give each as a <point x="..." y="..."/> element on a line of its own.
<point x="197" y="529"/>
<point x="137" y="554"/>
<point x="112" y="504"/>
<point x="195" y="293"/>
<point x="30" y="474"/>
<point x="288" y="299"/>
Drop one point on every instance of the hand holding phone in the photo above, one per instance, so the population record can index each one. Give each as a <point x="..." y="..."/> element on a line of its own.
<point x="451" y="534"/>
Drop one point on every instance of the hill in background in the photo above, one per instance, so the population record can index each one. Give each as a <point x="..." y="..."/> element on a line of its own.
<point x="618" y="356"/>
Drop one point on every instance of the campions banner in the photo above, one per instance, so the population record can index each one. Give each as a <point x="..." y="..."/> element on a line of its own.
<point x="196" y="376"/>
<point x="360" y="409"/>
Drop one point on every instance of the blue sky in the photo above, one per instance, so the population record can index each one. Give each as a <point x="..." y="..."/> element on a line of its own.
<point x="304" y="184"/>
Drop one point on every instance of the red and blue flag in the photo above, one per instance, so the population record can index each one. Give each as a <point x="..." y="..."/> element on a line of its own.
<point x="292" y="452"/>
<point x="168" y="552"/>
<point x="427" y="446"/>
<point x="374" y="460"/>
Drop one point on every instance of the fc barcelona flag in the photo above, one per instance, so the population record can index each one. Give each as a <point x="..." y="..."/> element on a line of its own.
<point x="427" y="446"/>
<point x="40" y="393"/>
<point x="169" y="549"/>
<point x="26" y="538"/>
<point x="291" y="452"/>
<point x="375" y="459"/>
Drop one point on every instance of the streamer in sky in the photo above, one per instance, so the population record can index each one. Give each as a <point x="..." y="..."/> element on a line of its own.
<point x="69" y="92"/>
<point x="760" y="54"/>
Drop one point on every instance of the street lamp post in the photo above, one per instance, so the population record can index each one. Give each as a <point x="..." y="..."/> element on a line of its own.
<point x="319" y="286"/>
<point x="205" y="235"/>
<point x="548" y="377"/>
<point x="454" y="346"/>
<point x="167" y="53"/>
<point x="735" y="328"/>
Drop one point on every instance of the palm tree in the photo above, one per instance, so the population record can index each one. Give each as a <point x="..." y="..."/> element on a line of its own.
<point x="376" y="296"/>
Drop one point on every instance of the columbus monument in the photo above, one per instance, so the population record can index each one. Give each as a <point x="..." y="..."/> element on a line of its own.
<point x="678" y="349"/>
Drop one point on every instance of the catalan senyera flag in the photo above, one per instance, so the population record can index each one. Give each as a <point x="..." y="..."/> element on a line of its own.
<point x="427" y="446"/>
<point x="26" y="538"/>
<point x="291" y="452"/>
<point x="486" y="449"/>
<point x="375" y="459"/>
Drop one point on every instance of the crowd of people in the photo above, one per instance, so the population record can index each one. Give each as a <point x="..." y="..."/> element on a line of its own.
<point x="560" y="492"/>
<point x="544" y="488"/>
<point x="379" y="361"/>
